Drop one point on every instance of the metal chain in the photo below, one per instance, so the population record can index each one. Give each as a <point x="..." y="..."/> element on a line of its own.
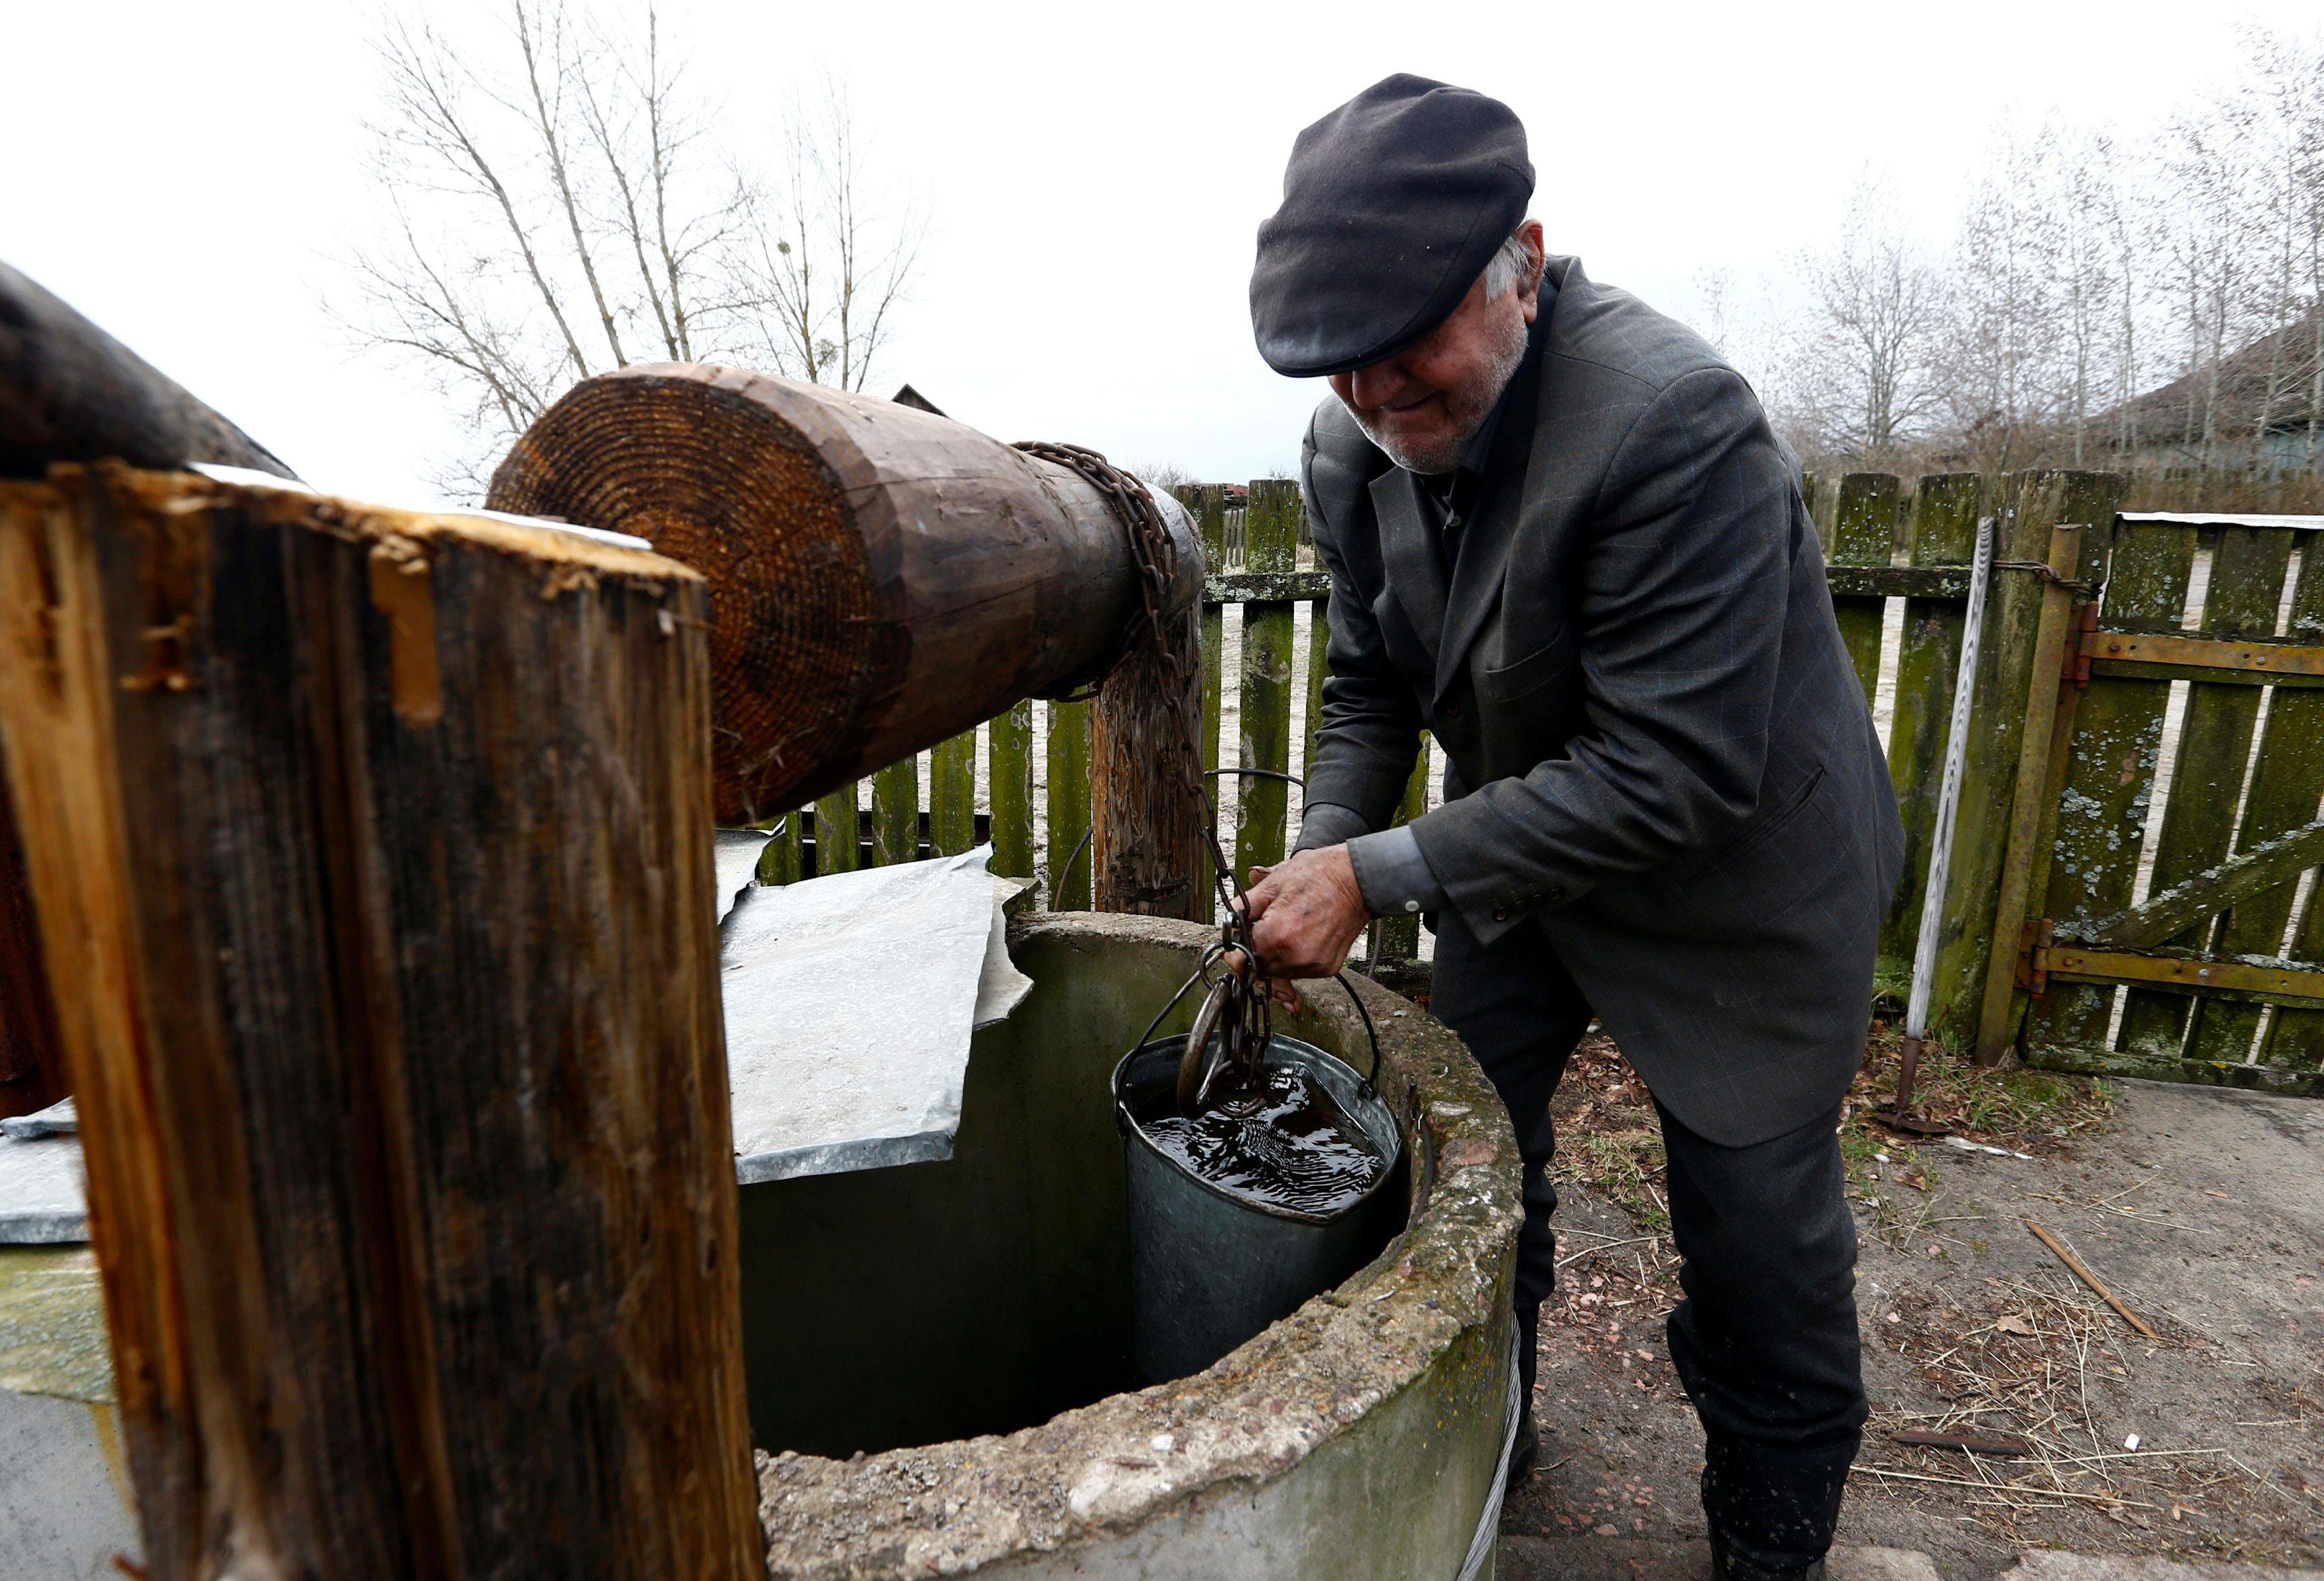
<point x="1156" y="556"/>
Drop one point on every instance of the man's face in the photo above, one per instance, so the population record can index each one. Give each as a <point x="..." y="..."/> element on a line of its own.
<point x="1424" y="404"/>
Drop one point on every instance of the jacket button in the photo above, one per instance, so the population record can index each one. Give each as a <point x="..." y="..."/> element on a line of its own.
<point x="1556" y="895"/>
<point x="1500" y="913"/>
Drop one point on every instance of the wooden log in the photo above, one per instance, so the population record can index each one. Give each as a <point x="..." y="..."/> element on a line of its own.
<point x="881" y="577"/>
<point x="1147" y="850"/>
<point x="31" y="1065"/>
<point x="69" y="392"/>
<point x="372" y="856"/>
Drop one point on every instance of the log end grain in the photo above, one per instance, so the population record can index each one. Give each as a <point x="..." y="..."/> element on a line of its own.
<point x="704" y="464"/>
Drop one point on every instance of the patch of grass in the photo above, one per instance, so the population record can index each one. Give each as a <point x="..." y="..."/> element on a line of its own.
<point x="2025" y="1111"/>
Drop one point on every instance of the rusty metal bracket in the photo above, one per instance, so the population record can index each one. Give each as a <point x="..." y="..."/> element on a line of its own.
<point x="2078" y="658"/>
<point x="2033" y="956"/>
<point x="2186" y="972"/>
<point x="2252" y="660"/>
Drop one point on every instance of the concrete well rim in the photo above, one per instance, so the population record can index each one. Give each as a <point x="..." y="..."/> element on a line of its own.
<point x="1120" y="1461"/>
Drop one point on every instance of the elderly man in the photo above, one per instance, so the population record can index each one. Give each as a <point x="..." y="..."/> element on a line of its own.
<point x="1563" y="538"/>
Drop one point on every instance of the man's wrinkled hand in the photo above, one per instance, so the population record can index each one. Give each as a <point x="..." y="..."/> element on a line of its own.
<point x="1305" y="912"/>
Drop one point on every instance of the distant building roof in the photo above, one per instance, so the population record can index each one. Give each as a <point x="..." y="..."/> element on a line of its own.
<point x="2175" y="413"/>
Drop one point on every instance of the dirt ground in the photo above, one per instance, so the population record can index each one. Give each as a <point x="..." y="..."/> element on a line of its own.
<point x="2202" y="1210"/>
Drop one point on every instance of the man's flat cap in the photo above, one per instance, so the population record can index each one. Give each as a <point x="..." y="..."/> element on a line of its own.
<point x="1393" y="204"/>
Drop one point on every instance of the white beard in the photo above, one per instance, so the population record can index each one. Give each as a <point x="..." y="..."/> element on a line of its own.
<point x="1438" y="456"/>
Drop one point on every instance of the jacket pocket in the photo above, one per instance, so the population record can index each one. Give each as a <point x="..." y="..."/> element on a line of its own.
<point x="1529" y="674"/>
<point x="1756" y="833"/>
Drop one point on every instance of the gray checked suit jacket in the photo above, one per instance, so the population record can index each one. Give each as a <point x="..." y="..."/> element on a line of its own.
<point x="1658" y="752"/>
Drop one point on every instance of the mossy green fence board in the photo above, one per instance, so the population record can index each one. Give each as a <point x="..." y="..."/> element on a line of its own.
<point x="1943" y="531"/>
<point x="1011" y="769"/>
<point x="2101" y="820"/>
<point x="1069" y="806"/>
<point x="1271" y="543"/>
<point x="2214" y="749"/>
<point x="1864" y="533"/>
<point x="952" y="795"/>
<point x="895" y="814"/>
<point x="837" y="831"/>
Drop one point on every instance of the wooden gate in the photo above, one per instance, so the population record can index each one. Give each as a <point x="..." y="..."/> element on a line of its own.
<point x="2159" y="894"/>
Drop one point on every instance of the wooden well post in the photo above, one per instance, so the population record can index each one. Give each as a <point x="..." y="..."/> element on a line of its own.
<point x="372" y="853"/>
<point x="69" y="392"/>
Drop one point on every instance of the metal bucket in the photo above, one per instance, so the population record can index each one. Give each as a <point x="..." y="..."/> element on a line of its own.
<point x="1210" y="1267"/>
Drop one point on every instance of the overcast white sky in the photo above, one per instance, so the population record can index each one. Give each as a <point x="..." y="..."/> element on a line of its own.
<point x="180" y="173"/>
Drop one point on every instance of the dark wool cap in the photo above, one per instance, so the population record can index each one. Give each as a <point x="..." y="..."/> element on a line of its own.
<point x="1393" y="204"/>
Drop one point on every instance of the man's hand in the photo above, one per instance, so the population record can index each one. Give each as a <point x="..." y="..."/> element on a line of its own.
<point x="1305" y="912"/>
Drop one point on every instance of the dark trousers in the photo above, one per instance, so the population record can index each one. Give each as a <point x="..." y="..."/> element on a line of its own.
<point x="1765" y="1338"/>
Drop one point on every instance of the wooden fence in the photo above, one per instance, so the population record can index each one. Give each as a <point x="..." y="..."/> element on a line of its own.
<point x="2124" y="814"/>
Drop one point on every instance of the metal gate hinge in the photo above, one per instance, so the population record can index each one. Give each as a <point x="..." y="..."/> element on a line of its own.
<point x="2034" y="955"/>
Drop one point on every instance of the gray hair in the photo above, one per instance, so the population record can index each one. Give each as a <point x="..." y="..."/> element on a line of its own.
<point x="1515" y="261"/>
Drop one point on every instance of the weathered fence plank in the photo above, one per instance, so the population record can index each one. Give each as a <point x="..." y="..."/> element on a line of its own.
<point x="1864" y="533"/>
<point x="2206" y="777"/>
<point x="952" y="794"/>
<point x="1943" y="533"/>
<point x="2109" y="781"/>
<point x="1069" y="806"/>
<point x="2028" y="506"/>
<point x="1271" y="543"/>
<point x="1400" y="937"/>
<point x="838" y="826"/>
<point x="1009" y="774"/>
<point x="1319" y="665"/>
<point x="1208" y="503"/>
<point x="2287" y="783"/>
<point x="779" y="861"/>
<point x="895" y="814"/>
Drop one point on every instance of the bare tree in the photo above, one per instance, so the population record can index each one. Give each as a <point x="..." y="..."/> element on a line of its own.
<point x="559" y="202"/>
<point x="821" y="266"/>
<point x="2001" y="343"/>
<point x="1860" y="380"/>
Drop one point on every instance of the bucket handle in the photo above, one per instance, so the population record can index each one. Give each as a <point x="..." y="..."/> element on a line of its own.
<point x="1201" y="974"/>
<point x="1370" y="1030"/>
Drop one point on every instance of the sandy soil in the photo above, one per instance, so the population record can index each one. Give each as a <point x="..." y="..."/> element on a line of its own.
<point x="2203" y="1209"/>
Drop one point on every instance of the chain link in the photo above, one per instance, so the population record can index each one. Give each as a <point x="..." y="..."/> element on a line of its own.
<point x="1156" y="556"/>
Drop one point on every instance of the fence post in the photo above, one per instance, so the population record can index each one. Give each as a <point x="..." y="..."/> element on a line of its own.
<point x="1146" y="853"/>
<point x="2029" y="788"/>
<point x="1011" y="758"/>
<point x="2024" y="510"/>
<point x="372" y="852"/>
